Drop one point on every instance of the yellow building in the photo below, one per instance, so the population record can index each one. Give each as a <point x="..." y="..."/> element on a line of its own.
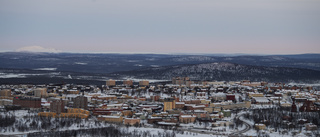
<point x="131" y="121"/>
<point x="260" y="126"/>
<point x="111" y="82"/>
<point x="209" y="109"/>
<point x="72" y="113"/>
<point x="127" y="113"/>
<point x="78" y="110"/>
<point x="47" y="114"/>
<point x="128" y="82"/>
<point x="72" y="91"/>
<point x="112" y="119"/>
<point x="40" y="92"/>
<point x="203" y="101"/>
<point x="144" y="83"/>
<point x="5" y="93"/>
<point x="187" y="118"/>
<point x="169" y="104"/>
<point x="256" y="95"/>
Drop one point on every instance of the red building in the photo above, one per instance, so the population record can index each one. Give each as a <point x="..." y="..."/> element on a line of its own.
<point x="27" y="102"/>
<point x="231" y="97"/>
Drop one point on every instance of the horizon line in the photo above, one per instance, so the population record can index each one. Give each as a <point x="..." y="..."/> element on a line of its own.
<point x="173" y="53"/>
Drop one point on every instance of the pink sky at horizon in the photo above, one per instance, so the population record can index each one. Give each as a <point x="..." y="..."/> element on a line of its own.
<point x="179" y="26"/>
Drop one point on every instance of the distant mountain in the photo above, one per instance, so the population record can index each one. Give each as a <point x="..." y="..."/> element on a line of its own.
<point x="162" y="66"/>
<point x="295" y="61"/>
<point x="227" y="72"/>
<point x="109" y="63"/>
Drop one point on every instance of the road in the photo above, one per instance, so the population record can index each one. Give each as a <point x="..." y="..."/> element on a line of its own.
<point x="240" y="132"/>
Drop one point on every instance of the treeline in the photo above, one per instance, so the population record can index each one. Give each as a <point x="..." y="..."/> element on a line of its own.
<point x="110" y="131"/>
<point x="52" y="127"/>
<point x="279" y="118"/>
<point x="7" y="120"/>
<point x="9" y="123"/>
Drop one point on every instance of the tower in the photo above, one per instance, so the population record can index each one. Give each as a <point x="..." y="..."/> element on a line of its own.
<point x="294" y="106"/>
<point x="169" y="104"/>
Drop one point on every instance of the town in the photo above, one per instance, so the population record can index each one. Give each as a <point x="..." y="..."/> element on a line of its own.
<point x="178" y="107"/>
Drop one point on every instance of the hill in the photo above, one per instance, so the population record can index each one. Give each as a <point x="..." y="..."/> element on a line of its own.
<point x="225" y="71"/>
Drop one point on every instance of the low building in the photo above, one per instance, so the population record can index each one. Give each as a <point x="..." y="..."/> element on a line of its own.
<point x="127" y="113"/>
<point x="180" y="105"/>
<point x="255" y="95"/>
<point x="40" y="92"/>
<point x="260" y="100"/>
<point x="72" y="113"/>
<point x="106" y="97"/>
<point x="260" y="126"/>
<point x="47" y="114"/>
<point x="230" y="105"/>
<point x="226" y="113"/>
<point x="197" y="102"/>
<point x="153" y="120"/>
<point x="78" y="110"/>
<point x="112" y="119"/>
<point x="27" y="102"/>
<point x="111" y="83"/>
<point x="143" y="83"/>
<point x="131" y="121"/>
<point x="209" y="109"/>
<point x="219" y="96"/>
<point x="187" y="118"/>
<point x="251" y="84"/>
<point x="5" y="93"/>
<point x="285" y="104"/>
<point x="221" y="123"/>
<point x="198" y="107"/>
<point x="231" y="97"/>
<point x="311" y="127"/>
<point x="204" y="101"/>
<point x="4" y="102"/>
<point x="128" y="82"/>
<point x="215" y="116"/>
<point x="73" y="91"/>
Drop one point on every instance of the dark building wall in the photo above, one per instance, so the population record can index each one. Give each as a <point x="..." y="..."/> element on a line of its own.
<point x="27" y="102"/>
<point x="80" y="102"/>
<point x="57" y="106"/>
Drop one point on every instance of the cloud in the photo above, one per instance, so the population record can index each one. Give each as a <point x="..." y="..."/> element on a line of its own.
<point x="37" y="49"/>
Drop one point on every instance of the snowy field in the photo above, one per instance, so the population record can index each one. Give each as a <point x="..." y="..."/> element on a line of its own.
<point x="33" y="125"/>
<point x="28" y="122"/>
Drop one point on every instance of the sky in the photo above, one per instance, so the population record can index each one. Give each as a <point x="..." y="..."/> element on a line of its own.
<point x="161" y="26"/>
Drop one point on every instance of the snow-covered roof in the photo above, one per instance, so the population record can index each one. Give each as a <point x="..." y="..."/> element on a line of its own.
<point x="109" y="116"/>
<point x="155" y="118"/>
<point x="261" y="99"/>
<point x="167" y="123"/>
<point x="187" y="116"/>
<point x="180" y="103"/>
<point x="199" y="106"/>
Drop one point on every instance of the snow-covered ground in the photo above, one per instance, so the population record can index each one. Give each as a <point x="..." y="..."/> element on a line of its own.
<point x="21" y="118"/>
<point x="25" y="117"/>
<point x="50" y="69"/>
